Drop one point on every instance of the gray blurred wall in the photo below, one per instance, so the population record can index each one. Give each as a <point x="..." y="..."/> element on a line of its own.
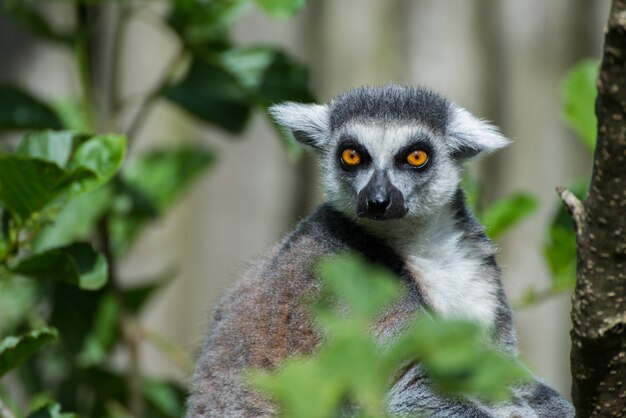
<point x="500" y="59"/>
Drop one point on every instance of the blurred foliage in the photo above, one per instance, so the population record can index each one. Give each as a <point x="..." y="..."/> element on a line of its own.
<point x="353" y="369"/>
<point x="72" y="204"/>
<point x="578" y="92"/>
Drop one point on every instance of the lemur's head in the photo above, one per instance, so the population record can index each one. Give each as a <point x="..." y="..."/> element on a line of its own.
<point x="389" y="152"/>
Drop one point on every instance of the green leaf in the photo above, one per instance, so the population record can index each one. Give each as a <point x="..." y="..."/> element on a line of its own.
<point x="269" y="74"/>
<point x="24" y="13"/>
<point x="166" y="398"/>
<point x="51" y="146"/>
<point x="560" y="244"/>
<point x="103" y="335"/>
<point x="77" y="263"/>
<point x="272" y="77"/>
<point x="457" y="356"/>
<point x="27" y="185"/>
<point x="75" y="219"/>
<point x="73" y="114"/>
<point x="19" y="110"/>
<point x="281" y="8"/>
<point x="578" y="92"/>
<point x="102" y="155"/>
<point x="33" y="177"/>
<point x="365" y="288"/>
<point x="162" y="176"/>
<point x="16" y="350"/>
<point x="301" y="388"/>
<point x="51" y="410"/>
<point x="351" y="368"/>
<point x="507" y="212"/>
<point x="213" y="95"/>
<point x="16" y="299"/>
<point x="201" y="22"/>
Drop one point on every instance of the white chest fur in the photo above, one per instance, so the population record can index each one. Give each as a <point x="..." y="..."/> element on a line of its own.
<point x="452" y="277"/>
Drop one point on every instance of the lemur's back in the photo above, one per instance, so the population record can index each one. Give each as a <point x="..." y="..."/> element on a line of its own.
<point x="264" y="319"/>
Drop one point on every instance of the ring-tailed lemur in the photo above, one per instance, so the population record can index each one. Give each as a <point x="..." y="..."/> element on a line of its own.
<point x="391" y="161"/>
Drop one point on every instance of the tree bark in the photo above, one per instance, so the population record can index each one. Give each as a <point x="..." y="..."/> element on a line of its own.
<point x="598" y="356"/>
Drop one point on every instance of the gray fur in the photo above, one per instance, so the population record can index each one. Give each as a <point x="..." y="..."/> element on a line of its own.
<point x="435" y="246"/>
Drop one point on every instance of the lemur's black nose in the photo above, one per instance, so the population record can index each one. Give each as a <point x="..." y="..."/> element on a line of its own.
<point x="378" y="204"/>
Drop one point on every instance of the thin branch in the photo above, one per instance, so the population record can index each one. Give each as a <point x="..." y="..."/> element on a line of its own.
<point x="83" y="62"/>
<point x="575" y="208"/>
<point x="129" y="332"/>
<point x="119" y="37"/>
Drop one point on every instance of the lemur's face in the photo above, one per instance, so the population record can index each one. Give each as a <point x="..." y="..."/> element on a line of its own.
<point x="388" y="171"/>
<point x="389" y="152"/>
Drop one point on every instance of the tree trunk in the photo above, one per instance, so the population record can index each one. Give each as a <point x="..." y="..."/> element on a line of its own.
<point x="598" y="356"/>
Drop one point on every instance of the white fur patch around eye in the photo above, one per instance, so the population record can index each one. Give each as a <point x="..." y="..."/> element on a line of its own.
<point x="384" y="141"/>
<point x="467" y="131"/>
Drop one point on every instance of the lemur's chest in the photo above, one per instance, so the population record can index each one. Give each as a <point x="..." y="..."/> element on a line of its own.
<point x="454" y="283"/>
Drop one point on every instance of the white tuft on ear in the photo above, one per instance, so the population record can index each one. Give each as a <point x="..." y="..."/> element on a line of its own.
<point x="309" y="123"/>
<point x="470" y="136"/>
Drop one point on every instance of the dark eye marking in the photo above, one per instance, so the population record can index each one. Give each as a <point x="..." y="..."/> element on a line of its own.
<point x="417" y="156"/>
<point x="348" y="146"/>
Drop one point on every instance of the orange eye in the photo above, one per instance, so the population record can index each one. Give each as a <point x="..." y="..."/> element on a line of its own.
<point x="351" y="157"/>
<point x="417" y="158"/>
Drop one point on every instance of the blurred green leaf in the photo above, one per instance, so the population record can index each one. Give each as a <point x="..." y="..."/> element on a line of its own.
<point x="301" y="388"/>
<point x="73" y="114"/>
<point x="24" y="13"/>
<point x="199" y="22"/>
<point x="52" y="410"/>
<point x="77" y="263"/>
<point x="16" y="299"/>
<point x="505" y="213"/>
<point x="281" y="8"/>
<point x="16" y="350"/>
<point x="52" y="146"/>
<point x="365" y="288"/>
<point x="19" y="110"/>
<point x="560" y="245"/>
<point x="457" y="356"/>
<point x="162" y="176"/>
<point x="75" y="220"/>
<point x="103" y="334"/>
<point x="73" y="314"/>
<point x="213" y="95"/>
<point x="352" y="368"/>
<point x="269" y="74"/>
<point x="102" y="155"/>
<point x="578" y="92"/>
<point x="27" y="185"/>
<point x="165" y="398"/>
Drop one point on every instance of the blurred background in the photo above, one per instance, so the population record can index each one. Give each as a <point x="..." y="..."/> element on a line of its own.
<point x="501" y="59"/>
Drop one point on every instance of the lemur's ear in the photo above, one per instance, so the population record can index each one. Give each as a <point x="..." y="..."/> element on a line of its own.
<point x="470" y="136"/>
<point x="309" y="123"/>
